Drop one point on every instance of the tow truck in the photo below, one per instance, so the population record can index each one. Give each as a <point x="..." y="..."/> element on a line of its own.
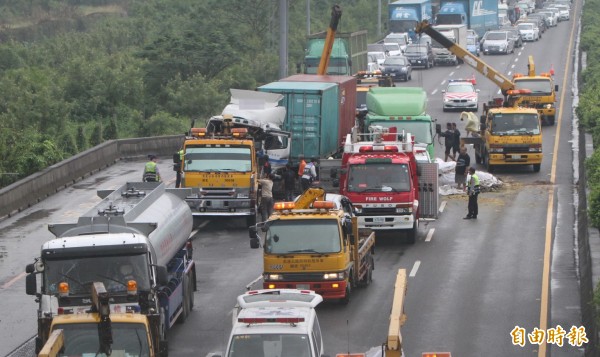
<point x="311" y="244"/>
<point x="99" y="332"/>
<point x="221" y="168"/>
<point x="510" y="133"/>
<point x="543" y="92"/>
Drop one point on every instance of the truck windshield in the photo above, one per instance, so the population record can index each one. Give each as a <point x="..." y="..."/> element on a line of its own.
<point x="218" y="159"/>
<point x="449" y="19"/>
<point x="378" y="177"/>
<point x="420" y="129"/>
<point x="269" y="345"/>
<point x="536" y="86"/>
<point x="515" y="124"/>
<point x="303" y="236"/>
<point x="82" y="340"/>
<point x="399" y="26"/>
<point x="336" y="66"/>
<point x="113" y="271"/>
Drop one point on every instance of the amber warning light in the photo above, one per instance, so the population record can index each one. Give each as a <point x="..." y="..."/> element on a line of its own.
<point x="436" y="354"/>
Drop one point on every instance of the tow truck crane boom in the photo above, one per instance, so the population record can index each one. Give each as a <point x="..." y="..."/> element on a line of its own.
<point x="498" y="78"/>
<point x="393" y="346"/>
<point x="309" y="196"/>
<point x="336" y="15"/>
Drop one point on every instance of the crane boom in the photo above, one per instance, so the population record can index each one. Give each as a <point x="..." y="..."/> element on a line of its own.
<point x="498" y="78"/>
<point x="336" y="15"/>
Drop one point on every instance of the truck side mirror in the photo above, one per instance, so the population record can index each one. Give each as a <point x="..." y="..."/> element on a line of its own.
<point x="30" y="284"/>
<point x="556" y="87"/>
<point x="162" y="278"/>
<point x="438" y="128"/>
<point x="254" y="243"/>
<point x="333" y="173"/>
<point x="252" y="231"/>
<point x="30" y="268"/>
<point x="335" y="183"/>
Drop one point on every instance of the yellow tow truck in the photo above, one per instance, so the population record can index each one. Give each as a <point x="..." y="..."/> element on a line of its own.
<point x="220" y="166"/>
<point x="510" y="133"/>
<point x="543" y="92"/>
<point x="315" y="244"/>
<point x="102" y="333"/>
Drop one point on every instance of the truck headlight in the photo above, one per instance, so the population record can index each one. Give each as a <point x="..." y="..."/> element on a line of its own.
<point x="535" y="149"/>
<point x="404" y="210"/>
<point x="333" y="276"/>
<point x="496" y="150"/>
<point x="243" y="195"/>
<point x="357" y="209"/>
<point x="272" y="277"/>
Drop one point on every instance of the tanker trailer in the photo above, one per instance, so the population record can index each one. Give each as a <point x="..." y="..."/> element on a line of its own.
<point x="137" y="242"/>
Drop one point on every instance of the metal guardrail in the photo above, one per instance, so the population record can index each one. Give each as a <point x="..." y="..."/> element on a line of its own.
<point x="34" y="188"/>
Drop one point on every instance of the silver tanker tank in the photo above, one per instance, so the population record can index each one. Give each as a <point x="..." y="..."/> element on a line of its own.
<point x="146" y="208"/>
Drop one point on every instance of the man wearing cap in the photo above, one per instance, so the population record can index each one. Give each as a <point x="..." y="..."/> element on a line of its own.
<point x="151" y="173"/>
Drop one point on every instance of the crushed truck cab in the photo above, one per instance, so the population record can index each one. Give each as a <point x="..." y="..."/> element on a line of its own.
<point x="315" y="247"/>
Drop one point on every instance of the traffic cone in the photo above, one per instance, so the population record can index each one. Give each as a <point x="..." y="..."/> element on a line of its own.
<point x="552" y="69"/>
<point x="473" y="80"/>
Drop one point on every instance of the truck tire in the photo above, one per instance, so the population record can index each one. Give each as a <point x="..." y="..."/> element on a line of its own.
<point x="251" y="220"/>
<point x="412" y="233"/>
<point x="186" y="301"/>
<point x="346" y="299"/>
<point x="537" y="167"/>
<point x="489" y="167"/>
<point x="551" y="120"/>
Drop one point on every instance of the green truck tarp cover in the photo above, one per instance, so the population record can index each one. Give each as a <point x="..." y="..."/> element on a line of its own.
<point x="395" y="101"/>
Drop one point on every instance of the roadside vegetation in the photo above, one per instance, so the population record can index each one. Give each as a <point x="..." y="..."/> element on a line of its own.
<point x="74" y="73"/>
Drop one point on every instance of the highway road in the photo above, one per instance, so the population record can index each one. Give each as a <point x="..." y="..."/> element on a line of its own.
<point x="471" y="282"/>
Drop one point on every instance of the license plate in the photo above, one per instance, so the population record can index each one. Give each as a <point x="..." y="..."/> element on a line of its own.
<point x="378" y="219"/>
<point x="516" y="156"/>
<point x="303" y="286"/>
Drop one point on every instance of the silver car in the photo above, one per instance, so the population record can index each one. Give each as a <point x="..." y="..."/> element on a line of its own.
<point x="498" y="42"/>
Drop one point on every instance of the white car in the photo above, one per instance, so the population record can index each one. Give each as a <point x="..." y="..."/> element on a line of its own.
<point x="552" y="17"/>
<point x="379" y="58"/>
<point x="498" y="42"/>
<point x="272" y="321"/>
<point x="400" y="38"/>
<point x="393" y="49"/>
<point x="563" y="11"/>
<point x="460" y="94"/>
<point x="528" y="31"/>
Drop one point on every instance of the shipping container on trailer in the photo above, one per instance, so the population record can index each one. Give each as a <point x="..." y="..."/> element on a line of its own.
<point x="312" y="116"/>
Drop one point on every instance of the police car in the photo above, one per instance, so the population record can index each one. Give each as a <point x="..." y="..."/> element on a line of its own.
<point x="276" y="322"/>
<point x="460" y="94"/>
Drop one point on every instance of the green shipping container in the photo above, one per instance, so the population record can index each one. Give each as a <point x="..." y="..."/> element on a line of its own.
<point x="312" y="116"/>
<point x="397" y="101"/>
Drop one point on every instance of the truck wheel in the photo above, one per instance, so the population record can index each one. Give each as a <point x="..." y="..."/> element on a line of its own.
<point x="185" y="301"/>
<point x="412" y="233"/>
<point x="551" y="120"/>
<point x="489" y="167"/>
<point x="537" y="167"/>
<point x="346" y="299"/>
<point x="251" y="220"/>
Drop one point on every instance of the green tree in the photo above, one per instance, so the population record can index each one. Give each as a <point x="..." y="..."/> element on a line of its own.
<point x="110" y="132"/>
<point x="96" y="136"/>
<point x="67" y="144"/>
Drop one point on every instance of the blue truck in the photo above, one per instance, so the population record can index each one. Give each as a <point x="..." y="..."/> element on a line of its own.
<point x="478" y="15"/>
<point x="405" y="14"/>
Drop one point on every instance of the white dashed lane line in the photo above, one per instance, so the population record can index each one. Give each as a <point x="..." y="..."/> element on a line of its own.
<point x="414" y="269"/>
<point x="429" y="235"/>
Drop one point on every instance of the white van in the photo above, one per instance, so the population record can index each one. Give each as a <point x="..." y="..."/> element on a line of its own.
<point x="276" y="322"/>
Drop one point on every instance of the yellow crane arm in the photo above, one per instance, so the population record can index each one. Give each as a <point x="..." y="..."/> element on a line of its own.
<point x="309" y="196"/>
<point x="531" y="67"/>
<point x="498" y="78"/>
<point x="394" y="340"/>
<point x="54" y="344"/>
<point x="336" y="15"/>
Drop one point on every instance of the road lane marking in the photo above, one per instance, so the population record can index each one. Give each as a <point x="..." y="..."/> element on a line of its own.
<point x="429" y="235"/>
<point x="442" y="206"/>
<point x="434" y="91"/>
<point x="451" y="74"/>
<point x="13" y="280"/>
<point x="414" y="269"/>
<point x="249" y="286"/>
<point x="548" y="239"/>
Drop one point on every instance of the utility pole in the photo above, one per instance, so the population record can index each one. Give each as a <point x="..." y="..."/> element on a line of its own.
<point x="283" y="37"/>
<point x="378" y="18"/>
<point x="308" y="17"/>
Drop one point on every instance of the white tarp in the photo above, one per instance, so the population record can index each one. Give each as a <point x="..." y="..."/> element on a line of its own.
<point x="446" y="178"/>
<point x="260" y="107"/>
